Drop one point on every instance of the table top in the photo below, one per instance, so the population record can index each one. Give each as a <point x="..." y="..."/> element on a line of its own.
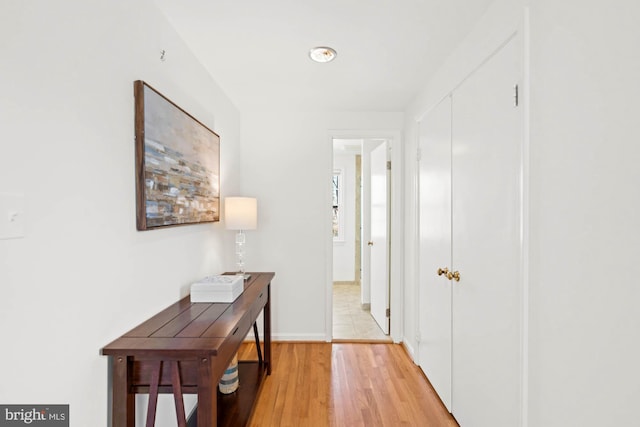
<point x="187" y="328"/>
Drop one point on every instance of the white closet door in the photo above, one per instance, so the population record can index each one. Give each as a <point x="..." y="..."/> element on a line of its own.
<point x="486" y="188"/>
<point x="435" y="249"/>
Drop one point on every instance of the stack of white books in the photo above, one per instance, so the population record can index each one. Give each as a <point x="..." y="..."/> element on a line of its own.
<point x="217" y="289"/>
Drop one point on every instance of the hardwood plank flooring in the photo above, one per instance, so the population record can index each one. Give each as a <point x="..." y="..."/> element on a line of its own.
<point x="355" y="384"/>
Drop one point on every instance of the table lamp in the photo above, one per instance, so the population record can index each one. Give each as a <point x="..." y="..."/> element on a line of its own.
<point x="240" y="214"/>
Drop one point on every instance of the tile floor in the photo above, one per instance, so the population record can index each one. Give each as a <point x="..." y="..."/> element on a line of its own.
<point x="350" y="321"/>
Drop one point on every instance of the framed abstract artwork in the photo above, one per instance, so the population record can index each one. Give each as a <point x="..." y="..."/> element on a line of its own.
<point x="177" y="164"/>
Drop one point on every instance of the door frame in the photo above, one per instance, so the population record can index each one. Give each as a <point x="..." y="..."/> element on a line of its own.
<point x="396" y="246"/>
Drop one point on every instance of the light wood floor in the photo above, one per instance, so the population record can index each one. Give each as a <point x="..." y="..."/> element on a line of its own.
<point x="339" y="384"/>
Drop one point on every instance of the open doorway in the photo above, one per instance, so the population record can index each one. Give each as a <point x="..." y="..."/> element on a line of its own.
<point x="360" y="206"/>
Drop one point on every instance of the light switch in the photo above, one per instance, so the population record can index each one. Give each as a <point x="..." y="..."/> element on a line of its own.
<point x="12" y="216"/>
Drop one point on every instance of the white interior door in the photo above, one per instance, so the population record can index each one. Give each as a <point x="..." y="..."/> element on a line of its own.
<point x="435" y="249"/>
<point x="379" y="242"/>
<point x="487" y="191"/>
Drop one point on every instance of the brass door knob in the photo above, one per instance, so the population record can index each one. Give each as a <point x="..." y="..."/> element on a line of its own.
<point x="449" y="275"/>
<point x="456" y="276"/>
<point x="370" y="243"/>
<point x="442" y="271"/>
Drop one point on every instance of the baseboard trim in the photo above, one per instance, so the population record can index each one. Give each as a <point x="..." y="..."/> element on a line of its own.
<point x="410" y="350"/>
<point x="299" y="337"/>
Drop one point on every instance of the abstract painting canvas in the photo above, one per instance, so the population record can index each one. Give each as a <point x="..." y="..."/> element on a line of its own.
<point x="177" y="164"/>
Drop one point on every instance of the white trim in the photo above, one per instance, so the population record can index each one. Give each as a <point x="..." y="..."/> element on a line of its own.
<point x="410" y="351"/>
<point x="298" y="337"/>
<point x="328" y="250"/>
<point x="526" y="142"/>
<point x="416" y="243"/>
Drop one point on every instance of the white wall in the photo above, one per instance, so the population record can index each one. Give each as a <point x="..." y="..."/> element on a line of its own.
<point x="584" y="227"/>
<point x="287" y="164"/>
<point x="344" y="252"/>
<point x="83" y="275"/>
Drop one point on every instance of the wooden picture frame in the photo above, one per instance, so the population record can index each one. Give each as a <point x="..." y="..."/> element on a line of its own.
<point x="177" y="164"/>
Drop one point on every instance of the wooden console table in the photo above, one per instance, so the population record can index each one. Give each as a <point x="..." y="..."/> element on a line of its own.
<point x="185" y="349"/>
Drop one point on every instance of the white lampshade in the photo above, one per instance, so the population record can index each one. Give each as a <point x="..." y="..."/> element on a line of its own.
<point x="240" y="213"/>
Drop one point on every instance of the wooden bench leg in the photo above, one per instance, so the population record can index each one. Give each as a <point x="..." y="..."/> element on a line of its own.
<point x="255" y="333"/>
<point x="124" y="404"/>
<point x="177" y="394"/>
<point x="176" y="385"/>
<point x="153" y="394"/>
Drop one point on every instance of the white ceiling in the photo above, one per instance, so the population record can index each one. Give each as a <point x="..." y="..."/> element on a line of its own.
<point x="257" y="50"/>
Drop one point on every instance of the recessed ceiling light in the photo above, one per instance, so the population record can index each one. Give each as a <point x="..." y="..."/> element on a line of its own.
<point x="322" y="54"/>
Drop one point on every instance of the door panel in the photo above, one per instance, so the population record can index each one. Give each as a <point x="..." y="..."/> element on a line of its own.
<point x="486" y="189"/>
<point x="470" y="222"/>
<point x="435" y="249"/>
<point x="379" y="237"/>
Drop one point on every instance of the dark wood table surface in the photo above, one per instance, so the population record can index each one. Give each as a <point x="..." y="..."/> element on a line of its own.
<point x="185" y="349"/>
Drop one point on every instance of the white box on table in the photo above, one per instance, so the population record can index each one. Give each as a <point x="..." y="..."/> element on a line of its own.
<point x="219" y="288"/>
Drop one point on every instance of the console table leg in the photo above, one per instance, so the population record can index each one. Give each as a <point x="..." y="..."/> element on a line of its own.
<point x="255" y="333"/>
<point x="177" y="394"/>
<point x="123" y="404"/>
<point x="207" y="395"/>
<point x="153" y="394"/>
<point x="267" y="330"/>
